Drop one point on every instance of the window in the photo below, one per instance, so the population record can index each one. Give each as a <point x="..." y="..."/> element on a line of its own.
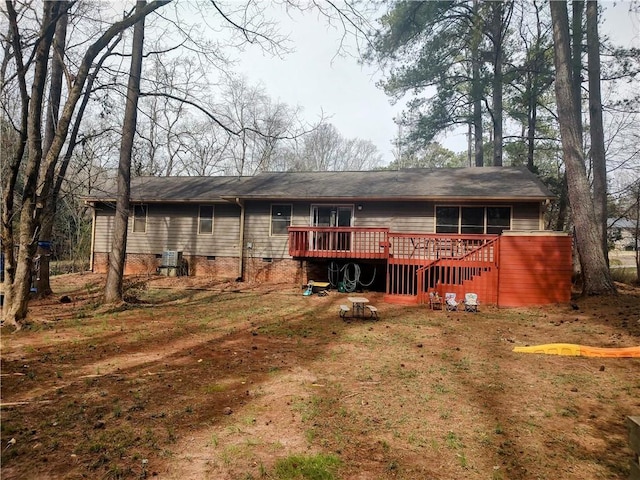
<point x="332" y="215"/>
<point x="473" y="220"/>
<point x="280" y="219"/>
<point x="447" y="219"/>
<point x="140" y="218"/>
<point x="205" y="219"/>
<point x="498" y="219"/>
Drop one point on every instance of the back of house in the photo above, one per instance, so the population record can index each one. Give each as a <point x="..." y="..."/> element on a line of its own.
<point x="405" y="232"/>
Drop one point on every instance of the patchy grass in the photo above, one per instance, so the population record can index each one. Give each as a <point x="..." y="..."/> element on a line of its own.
<point x="315" y="467"/>
<point x="206" y="380"/>
<point x="628" y="275"/>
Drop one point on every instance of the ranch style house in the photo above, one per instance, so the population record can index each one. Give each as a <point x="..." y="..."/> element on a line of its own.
<point x="410" y="232"/>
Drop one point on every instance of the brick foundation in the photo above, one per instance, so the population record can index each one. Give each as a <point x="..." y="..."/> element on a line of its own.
<point x="277" y="270"/>
<point x="221" y="268"/>
<point x="135" y="264"/>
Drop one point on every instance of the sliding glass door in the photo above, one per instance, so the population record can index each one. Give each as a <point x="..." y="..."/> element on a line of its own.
<point x="332" y="216"/>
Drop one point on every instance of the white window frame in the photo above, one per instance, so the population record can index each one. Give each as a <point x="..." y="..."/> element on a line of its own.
<point x="343" y="206"/>
<point x="271" y="218"/>
<point x="135" y="217"/>
<point x="200" y="217"/>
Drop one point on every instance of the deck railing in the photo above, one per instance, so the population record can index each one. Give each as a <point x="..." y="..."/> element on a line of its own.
<point x="422" y="249"/>
<point x="339" y="242"/>
<point x="420" y="263"/>
<point x="380" y="243"/>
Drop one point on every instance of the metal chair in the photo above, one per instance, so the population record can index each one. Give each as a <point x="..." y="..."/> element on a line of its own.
<point x="470" y="302"/>
<point x="450" y="302"/>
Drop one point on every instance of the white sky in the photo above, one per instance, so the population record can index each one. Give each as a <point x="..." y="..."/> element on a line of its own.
<point x="314" y="78"/>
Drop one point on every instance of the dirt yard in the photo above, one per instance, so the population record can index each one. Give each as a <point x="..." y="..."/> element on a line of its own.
<point x="197" y="380"/>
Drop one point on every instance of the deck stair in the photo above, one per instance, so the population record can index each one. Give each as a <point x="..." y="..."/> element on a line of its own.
<point x="461" y="267"/>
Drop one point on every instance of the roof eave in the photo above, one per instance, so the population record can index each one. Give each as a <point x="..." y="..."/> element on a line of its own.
<point x="540" y="198"/>
<point x="159" y="200"/>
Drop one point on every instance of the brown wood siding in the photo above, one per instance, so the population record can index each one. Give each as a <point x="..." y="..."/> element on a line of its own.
<point x="534" y="270"/>
<point x="418" y="217"/>
<point x="409" y="217"/>
<point x="400" y="217"/>
<point x="104" y="219"/>
<point x="526" y="216"/>
<point x="257" y="230"/>
<point x="175" y="227"/>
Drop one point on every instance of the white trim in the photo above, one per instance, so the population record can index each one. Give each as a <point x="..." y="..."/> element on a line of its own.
<point x="146" y="217"/>
<point x="213" y="214"/>
<point x="290" y="205"/>
<point x="313" y="206"/>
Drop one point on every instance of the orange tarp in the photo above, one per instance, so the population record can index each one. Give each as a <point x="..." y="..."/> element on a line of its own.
<point x="570" y="349"/>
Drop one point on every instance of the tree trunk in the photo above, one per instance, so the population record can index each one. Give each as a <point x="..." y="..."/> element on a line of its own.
<point x="476" y="89"/>
<point x="43" y="286"/>
<point x="595" y="272"/>
<point x="596" y="128"/>
<point x="113" y="289"/>
<point x="18" y="292"/>
<point x="497" y="111"/>
<point x="532" y="115"/>
<point x="11" y="169"/>
<point x="496" y="22"/>
<point x="50" y="207"/>
<point x="31" y="213"/>
<point x="577" y="8"/>
<point x="534" y="85"/>
<point x="636" y="232"/>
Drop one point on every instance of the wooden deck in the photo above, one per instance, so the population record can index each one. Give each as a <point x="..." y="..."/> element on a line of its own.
<point x="339" y="242"/>
<point x="531" y="269"/>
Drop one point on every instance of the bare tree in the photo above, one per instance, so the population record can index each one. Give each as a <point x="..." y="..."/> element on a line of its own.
<point x="256" y="125"/>
<point x="17" y="285"/>
<point x="113" y="288"/>
<point x="164" y="113"/>
<point x="25" y="71"/>
<point x="325" y="149"/>
<point x="205" y="147"/>
<point x="37" y="188"/>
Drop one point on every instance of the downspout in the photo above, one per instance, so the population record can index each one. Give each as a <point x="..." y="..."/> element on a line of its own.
<point x="240" y="278"/>
<point x="93" y="237"/>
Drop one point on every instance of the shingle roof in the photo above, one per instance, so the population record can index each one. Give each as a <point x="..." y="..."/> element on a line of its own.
<point x="486" y="183"/>
<point x="439" y="183"/>
<point x="175" y="189"/>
